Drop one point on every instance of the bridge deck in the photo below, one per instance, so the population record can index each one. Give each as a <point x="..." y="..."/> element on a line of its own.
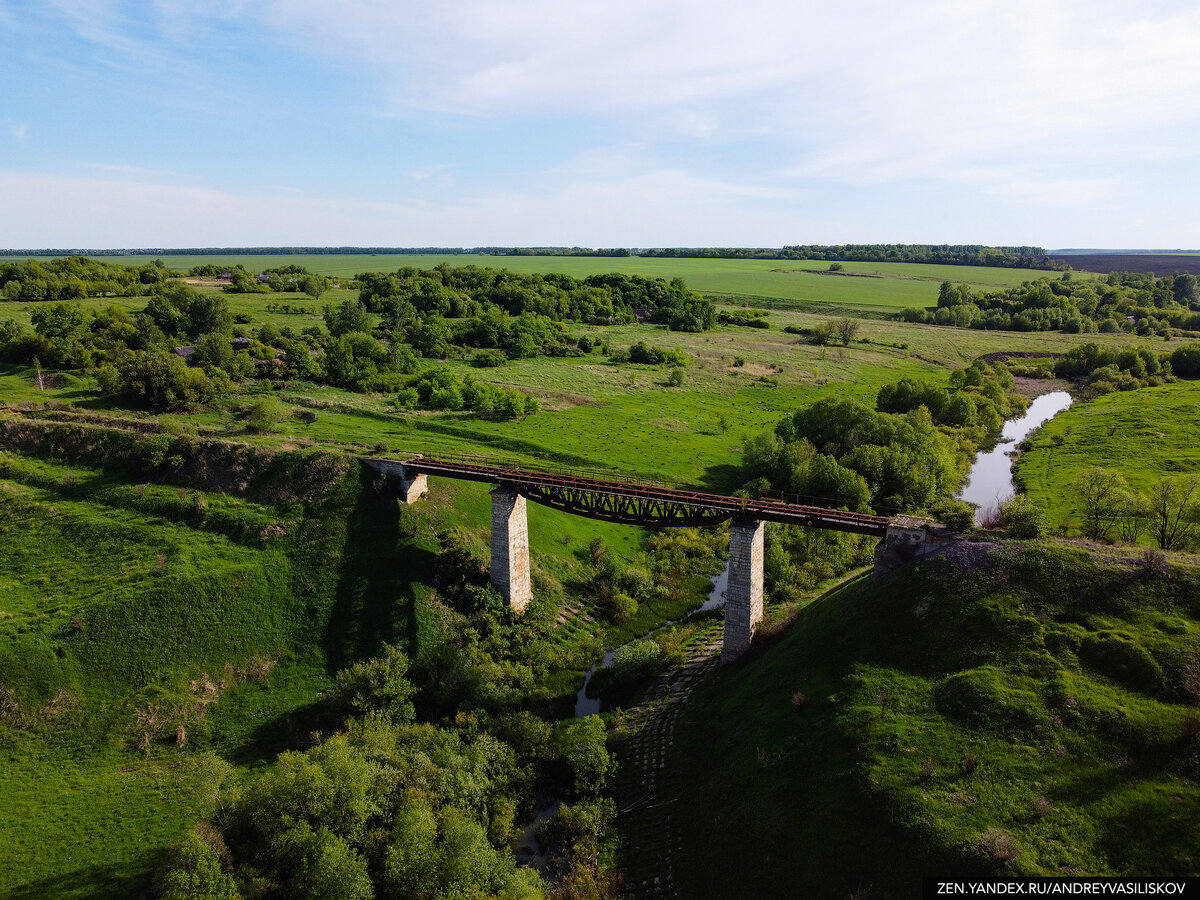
<point x="645" y="504"/>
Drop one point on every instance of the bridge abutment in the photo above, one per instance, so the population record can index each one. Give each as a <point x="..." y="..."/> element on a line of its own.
<point x="744" y="593"/>
<point x="410" y="486"/>
<point x="510" y="547"/>
<point x="908" y="539"/>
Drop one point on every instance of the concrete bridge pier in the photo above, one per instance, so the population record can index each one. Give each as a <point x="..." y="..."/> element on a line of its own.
<point x="510" y="547"/>
<point x="744" y="594"/>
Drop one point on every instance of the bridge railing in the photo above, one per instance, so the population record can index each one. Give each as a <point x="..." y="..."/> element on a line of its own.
<point x="518" y="464"/>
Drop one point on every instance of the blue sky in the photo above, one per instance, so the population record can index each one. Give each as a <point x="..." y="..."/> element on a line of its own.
<point x="618" y="123"/>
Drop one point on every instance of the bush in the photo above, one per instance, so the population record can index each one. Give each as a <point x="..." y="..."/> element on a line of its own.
<point x="489" y="359"/>
<point x="636" y="661"/>
<point x="954" y="514"/>
<point x="377" y="685"/>
<point x="582" y="742"/>
<point x="164" y="381"/>
<point x="624" y="608"/>
<point x="265" y="415"/>
<point x="1022" y="518"/>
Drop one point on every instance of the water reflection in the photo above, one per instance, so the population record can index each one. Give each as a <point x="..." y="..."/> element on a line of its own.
<point x="990" y="481"/>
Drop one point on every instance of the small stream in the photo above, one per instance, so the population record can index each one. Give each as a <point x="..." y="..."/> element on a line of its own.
<point x="589" y="706"/>
<point x="990" y="481"/>
<point x="528" y="849"/>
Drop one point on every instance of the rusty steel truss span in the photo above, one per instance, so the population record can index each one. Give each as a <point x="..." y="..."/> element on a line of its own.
<point x="640" y="504"/>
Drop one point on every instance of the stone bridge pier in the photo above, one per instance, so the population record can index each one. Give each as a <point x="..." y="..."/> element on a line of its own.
<point x="510" y="547"/>
<point x="410" y="486"/>
<point x="744" y="593"/>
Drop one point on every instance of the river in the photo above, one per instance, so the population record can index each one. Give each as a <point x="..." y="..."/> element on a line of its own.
<point x="990" y="481"/>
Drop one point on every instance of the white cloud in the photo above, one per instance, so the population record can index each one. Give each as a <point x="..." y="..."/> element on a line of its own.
<point x="1056" y="107"/>
<point x="421" y="173"/>
<point x="863" y="91"/>
<point x="20" y="131"/>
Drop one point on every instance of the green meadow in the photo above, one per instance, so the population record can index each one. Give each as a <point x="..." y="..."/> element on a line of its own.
<point x="870" y="287"/>
<point x="1144" y="435"/>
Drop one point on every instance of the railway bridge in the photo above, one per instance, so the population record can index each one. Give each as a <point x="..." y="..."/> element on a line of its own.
<point x="647" y="503"/>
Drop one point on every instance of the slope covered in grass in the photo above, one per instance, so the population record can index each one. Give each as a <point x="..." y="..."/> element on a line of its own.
<point x="161" y="642"/>
<point x="1028" y="716"/>
<point x="1144" y="435"/>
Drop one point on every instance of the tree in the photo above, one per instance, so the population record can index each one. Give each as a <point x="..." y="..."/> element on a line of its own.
<point x="378" y="685"/>
<point x="582" y="742"/>
<point x="1173" y="505"/>
<point x="1101" y="494"/>
<point x="196" y="872"/>
<point x="847" y="329"/>
<point x="314" y="285"/>
<point x="347" y="317"/>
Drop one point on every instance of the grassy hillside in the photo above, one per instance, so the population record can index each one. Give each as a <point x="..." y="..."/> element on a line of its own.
<point x="1028" y="716"/>
<point x="1144" y="434"/>
<point x="160" y="641"/>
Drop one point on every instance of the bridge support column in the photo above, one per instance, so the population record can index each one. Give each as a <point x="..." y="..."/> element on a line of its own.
<point x="510" y="547"/>
<point x="744" y="595"/>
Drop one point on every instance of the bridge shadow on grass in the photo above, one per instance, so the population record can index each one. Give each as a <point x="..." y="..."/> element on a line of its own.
<point x="288" y="731"/>
<point x="770" y="800"/>
<point x="382" y="570"/>
<point x="722" y="479"/>
<point x="87" y="882"/>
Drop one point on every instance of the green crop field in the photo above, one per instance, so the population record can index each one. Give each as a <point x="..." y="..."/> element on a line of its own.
<point x="872" y="287"/>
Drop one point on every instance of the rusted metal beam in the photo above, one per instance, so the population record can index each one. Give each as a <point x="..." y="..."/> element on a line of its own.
<point x="645" y="504"/>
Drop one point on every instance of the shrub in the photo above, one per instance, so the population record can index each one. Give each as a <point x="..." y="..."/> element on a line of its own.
<point x="1022" y="518"/>
<point x="624" y="608"/>
<point x="265" y="415"/>
<point x="582" y="742"/>
<point x="196" y="870"/>
<point x="636" y="660"/>
<point x="998" y="845"/>
<point x="377" y="685"/>
<point x="489" y="359"/>
<point x="954" y="514"/>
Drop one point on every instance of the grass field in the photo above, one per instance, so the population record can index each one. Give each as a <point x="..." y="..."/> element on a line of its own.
<point x="860" y="286"/>
<point x="621" y="416"/>
<point x="953" y="724"/>
<point x="1144" y="434"/>
<point x="130" y="610"/>
<point x="118" y="595"/>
